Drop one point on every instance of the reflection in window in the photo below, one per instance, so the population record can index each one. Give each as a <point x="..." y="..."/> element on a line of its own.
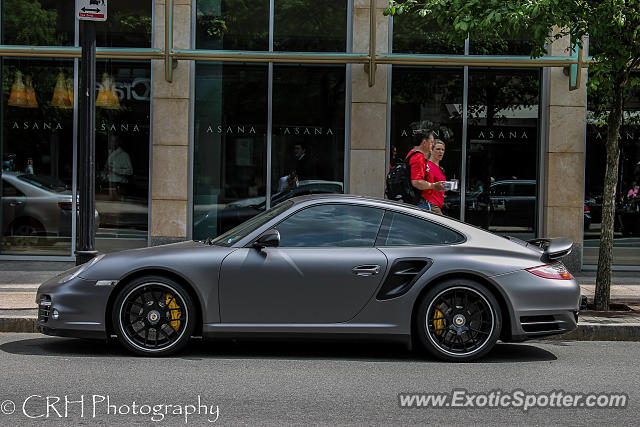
<point x="229" y="177"/>
<point x="308" y="130"/>
<point x="37" y="153"/>
<point x="428" y="99"/>
<point x="502" y="150"/>
<point x="232" y="24"/>
<point x="405" y="230"/>
<point x="493" y="45"/>
<point x="122" y="153"/>
<point x="627" y="210"/>
<point x="331" y="226"/>
<point x="310" y="25"/>
<point x="128" y="24"/>
<point x="38" y="22"/>
<point x="416" y="34"/>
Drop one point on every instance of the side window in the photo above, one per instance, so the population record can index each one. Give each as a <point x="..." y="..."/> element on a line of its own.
<point x="333" y="225"/>
<point x="405" y="230"/>
<point x="9" y="190"/>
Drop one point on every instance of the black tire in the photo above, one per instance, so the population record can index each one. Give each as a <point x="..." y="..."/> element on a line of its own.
<point x="27" y="232"/>
<point x="153" y="316"/>
<point x="458" y="320"/>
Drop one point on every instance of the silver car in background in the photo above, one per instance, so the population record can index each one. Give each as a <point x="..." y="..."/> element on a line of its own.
<point x="339" y="266"/>
<point x="35" y="206"/>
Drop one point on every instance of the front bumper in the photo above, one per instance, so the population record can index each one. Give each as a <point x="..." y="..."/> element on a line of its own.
<point x="80" y="306"/>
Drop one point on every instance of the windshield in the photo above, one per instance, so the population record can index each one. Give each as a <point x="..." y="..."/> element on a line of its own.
<point x="242" y="230"/>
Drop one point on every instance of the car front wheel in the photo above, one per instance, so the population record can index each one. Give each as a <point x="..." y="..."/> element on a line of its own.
<point x="153" y="316"/>
<point x="458" y="320"/>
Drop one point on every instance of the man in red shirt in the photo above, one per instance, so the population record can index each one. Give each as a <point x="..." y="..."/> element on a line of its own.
<point x="418" y="162"/>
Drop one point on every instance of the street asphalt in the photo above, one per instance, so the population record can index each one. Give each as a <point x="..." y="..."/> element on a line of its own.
<point x="262" y="383"/>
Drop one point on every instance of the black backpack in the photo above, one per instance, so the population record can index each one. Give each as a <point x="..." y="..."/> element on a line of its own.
<point x="398" y="183"/>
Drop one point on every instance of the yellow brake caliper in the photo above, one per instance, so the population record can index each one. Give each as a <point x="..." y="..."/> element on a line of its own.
<point x="438" y="321"/>
<point x="175" y="314"/>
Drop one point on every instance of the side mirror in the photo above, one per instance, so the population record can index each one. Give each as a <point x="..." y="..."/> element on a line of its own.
<point x="269" y="239"/>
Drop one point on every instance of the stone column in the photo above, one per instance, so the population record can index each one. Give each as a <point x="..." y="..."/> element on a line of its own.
<point x="368" y="106"/>
<point x="565" y="157"/>
<point x="170" y="164"/>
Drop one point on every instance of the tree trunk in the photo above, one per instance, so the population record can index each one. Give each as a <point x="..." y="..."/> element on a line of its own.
<point x="605" y="256"/>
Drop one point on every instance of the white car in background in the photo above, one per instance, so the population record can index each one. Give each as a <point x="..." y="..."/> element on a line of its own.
<point x="35" y="206"/>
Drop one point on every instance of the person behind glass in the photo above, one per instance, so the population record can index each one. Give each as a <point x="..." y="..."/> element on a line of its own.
<point x="435" y="174"/>
<point x="419" y="169"/>
<point x="634" y="191"/>
<point x="118" y="168"/>
<point x="303" y="161"/>
<point x="394" y="159"/>
<point x="29" y="169"/>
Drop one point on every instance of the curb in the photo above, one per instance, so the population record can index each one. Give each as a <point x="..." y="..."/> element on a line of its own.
<point x="602" y="332"/>
<point x="584" y="332"/>
<point x="18" y="324"/>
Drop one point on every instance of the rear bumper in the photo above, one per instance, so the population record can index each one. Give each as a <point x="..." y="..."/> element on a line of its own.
<point x="541" y="307"/>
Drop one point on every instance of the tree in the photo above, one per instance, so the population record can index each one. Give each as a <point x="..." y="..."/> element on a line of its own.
<point x="614" y="25"/>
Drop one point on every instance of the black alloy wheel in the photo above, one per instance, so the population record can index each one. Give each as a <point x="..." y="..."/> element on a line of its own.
<point x="153" y="316"/>
<point x="458" y="320"/>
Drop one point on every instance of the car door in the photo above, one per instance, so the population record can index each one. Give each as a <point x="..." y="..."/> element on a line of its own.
<point x="325" y="269"/>
<point x="13" y="203"/>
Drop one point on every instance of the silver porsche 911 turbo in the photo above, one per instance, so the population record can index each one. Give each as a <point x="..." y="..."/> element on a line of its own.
<point x="335" y="265"/>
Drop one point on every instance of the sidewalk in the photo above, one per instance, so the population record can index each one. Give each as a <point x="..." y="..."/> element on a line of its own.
<point x="19" y="282"/>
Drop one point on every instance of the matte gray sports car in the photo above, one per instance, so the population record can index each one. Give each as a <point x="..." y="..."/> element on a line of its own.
<point x="336" y="265"/>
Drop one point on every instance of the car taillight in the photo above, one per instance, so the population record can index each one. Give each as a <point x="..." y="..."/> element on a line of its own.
<point x="586" y="208"/>
<point x="555" y="271"/>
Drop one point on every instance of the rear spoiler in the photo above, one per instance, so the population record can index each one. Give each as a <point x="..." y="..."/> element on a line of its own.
<point x="553" y="248"/>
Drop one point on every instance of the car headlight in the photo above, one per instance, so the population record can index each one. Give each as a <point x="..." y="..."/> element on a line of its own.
<point x="77" y="270"/>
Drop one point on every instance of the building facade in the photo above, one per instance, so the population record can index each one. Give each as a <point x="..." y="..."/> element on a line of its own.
<point x="264" y="100"/>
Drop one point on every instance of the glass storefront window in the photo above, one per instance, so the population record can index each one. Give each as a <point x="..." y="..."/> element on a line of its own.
<point x="415" y="34"/>
<point x="308" y="140"/>
<point x="626" y="238"/>
<point x="501" y="165"/>
<point x="37" y="153"/>
<point x="230" y="153"/>
<point x="128" y="24"/>
<point x="37" y="130"/>
<point x="489" y="45"/>
<point x="310" y="26"/>
<point x="502" y="125"/>
<point x="232" y="24"/>
<point x="123" y="108"/>
<point x="38" y="22"/>
<point x="230" y="128"/>
<point x="429" y="99"/>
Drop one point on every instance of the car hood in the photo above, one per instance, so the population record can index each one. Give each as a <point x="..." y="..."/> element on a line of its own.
<point x="179" y="258"/>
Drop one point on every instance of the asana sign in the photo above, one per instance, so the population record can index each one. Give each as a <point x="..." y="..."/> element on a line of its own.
<point x="91" y="10"/>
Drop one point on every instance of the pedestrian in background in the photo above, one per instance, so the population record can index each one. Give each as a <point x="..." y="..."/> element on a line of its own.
<point x="435" y="174"/>
<point x="419" y="169"/>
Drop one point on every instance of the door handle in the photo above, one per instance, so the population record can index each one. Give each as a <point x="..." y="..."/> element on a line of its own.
<point x="366" y="270"/>
<point x="14" y="203"/>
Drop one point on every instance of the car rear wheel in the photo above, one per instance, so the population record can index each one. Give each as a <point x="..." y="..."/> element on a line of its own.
<point x="458" y="320"/>
<point x="153" y="316"/>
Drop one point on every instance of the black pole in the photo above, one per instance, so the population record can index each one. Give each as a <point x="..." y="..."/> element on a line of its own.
<point x="87" y="146"/>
